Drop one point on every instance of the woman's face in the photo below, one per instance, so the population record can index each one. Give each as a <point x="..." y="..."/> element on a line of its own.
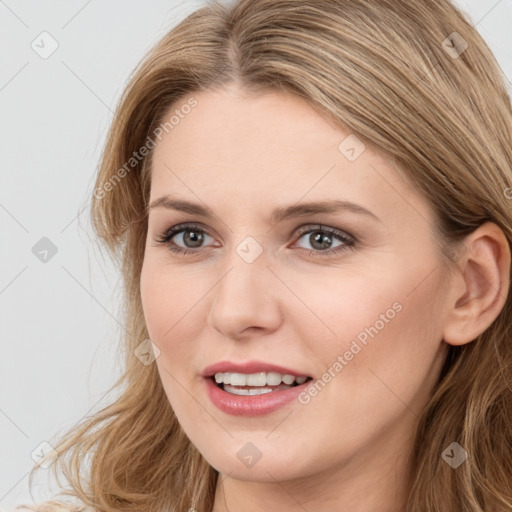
<point x="352" y="296"/>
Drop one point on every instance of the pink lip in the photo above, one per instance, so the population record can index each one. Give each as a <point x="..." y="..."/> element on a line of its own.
<point x="251" y="405"/>
<point x="248" y="367"/>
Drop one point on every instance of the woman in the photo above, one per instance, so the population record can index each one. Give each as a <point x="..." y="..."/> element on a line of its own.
<point x="311" y="206"/>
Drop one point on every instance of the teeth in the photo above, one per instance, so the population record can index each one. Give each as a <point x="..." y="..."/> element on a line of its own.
<point x="253" y="391"/>
<point x="238" y="379"/>
<point x="288" y="379"/>
<point x="274" y="379"/>
<point x="256" y="379"/>
<point x="259" y="379"/>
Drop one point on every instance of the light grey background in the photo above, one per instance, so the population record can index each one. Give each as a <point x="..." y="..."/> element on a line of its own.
<point x="59" y="324"/>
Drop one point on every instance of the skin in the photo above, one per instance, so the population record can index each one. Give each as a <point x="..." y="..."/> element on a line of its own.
<point x="243" y="155"/>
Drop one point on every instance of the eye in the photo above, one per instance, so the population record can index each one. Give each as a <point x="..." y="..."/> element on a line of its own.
<point x="190" y="237"/>
<point x="321" y="239"/>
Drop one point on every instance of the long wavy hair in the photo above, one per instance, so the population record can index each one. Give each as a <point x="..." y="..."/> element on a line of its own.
<point x="414" y="78"/>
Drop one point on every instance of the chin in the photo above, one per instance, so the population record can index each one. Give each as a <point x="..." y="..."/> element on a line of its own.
<point x="266" y="465"/>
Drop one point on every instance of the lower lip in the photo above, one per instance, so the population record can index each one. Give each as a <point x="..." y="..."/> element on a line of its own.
<point x="252" y="405"/>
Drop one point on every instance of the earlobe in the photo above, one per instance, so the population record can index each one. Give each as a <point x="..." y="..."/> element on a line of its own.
<point x="485" y="280"/>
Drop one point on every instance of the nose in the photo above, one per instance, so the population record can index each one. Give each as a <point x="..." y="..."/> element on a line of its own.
<point x="245" y="300"/>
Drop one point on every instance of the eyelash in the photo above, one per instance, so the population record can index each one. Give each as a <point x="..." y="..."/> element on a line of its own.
<point x="348" y="240"/>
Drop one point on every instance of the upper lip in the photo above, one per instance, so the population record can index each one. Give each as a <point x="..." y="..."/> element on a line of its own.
<point x="248" y="367"/>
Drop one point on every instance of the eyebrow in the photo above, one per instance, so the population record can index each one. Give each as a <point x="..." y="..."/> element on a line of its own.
<point x="278" y="215"/>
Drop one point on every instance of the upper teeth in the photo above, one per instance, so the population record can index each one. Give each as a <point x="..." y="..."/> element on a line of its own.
<point x="257" y="379"/>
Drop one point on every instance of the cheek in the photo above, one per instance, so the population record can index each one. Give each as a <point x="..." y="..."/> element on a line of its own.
<point x="382" y="364"/>
<point x="377" y="329"/>
<point x="343" y="306"/>
<point x="167" y="300"/>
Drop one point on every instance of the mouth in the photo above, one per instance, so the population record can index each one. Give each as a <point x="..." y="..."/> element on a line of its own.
<point x="256" y="383"/>
<point x="253" y="388"/>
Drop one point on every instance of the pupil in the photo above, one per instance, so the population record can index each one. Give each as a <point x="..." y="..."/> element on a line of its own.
<point x="196" y="238"/>
<point x="323" y="239"/>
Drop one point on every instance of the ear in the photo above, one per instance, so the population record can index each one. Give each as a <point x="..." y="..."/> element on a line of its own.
<point x="484" y="279"/>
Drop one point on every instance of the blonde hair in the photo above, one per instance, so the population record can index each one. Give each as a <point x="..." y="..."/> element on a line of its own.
<point x="399" y="75"/>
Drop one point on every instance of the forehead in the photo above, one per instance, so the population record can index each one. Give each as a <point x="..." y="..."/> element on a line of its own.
<point x="231" y="125"/>
<point x="255" y="148"/>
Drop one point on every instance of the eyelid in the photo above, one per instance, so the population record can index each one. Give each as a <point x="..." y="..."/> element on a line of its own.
<point x="341" y="233"/>
<point x="297" y="232"/>
<point x="348" y="241"/>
